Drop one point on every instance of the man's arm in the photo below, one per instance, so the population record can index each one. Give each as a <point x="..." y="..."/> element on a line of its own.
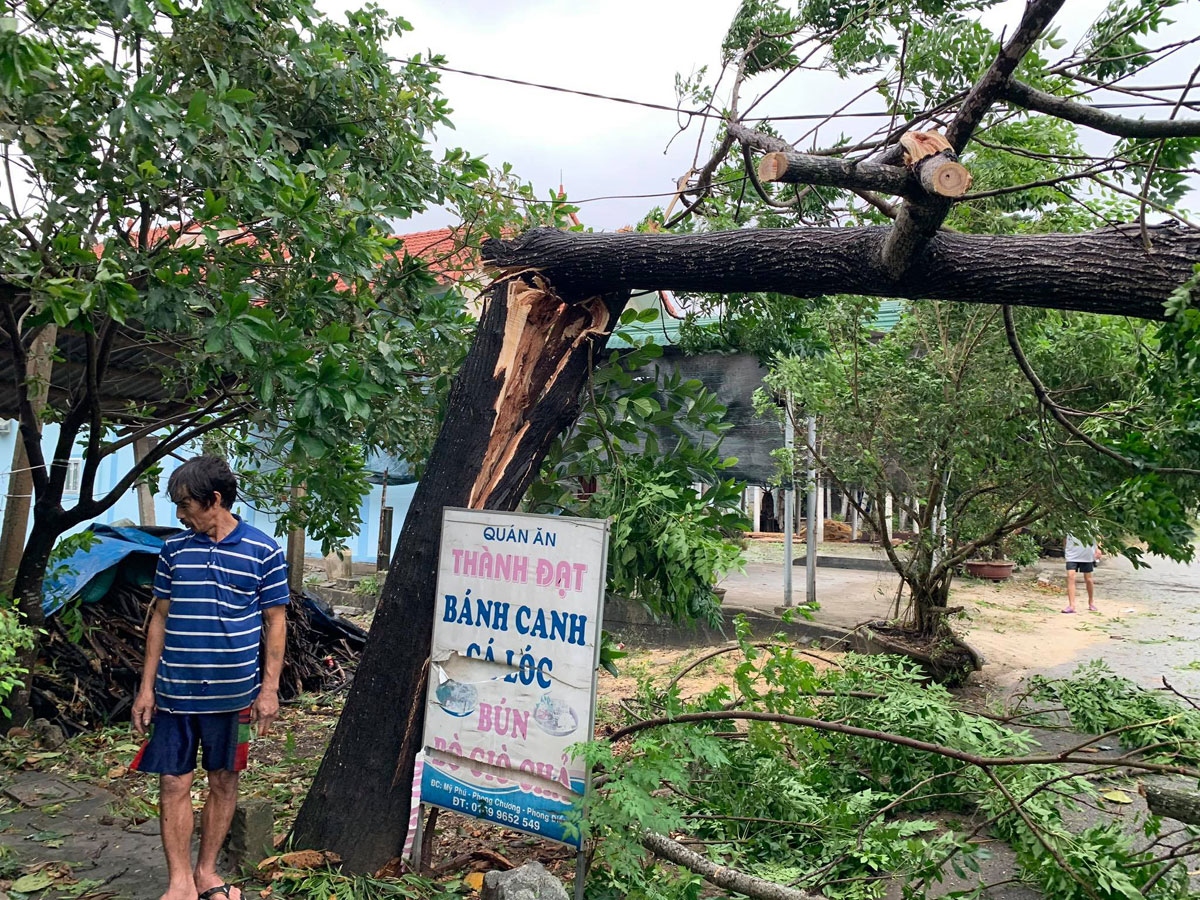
<point x="156" y="633"/>
<point x="265" y="708"/>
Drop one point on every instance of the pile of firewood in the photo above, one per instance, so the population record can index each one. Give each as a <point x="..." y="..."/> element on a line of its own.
<point x="91" y="657"/>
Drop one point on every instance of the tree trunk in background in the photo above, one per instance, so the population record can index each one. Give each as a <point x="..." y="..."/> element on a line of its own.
<point x="20" y="482"/>
<point x="27" y="589"/>
<point x="517" y="390"/>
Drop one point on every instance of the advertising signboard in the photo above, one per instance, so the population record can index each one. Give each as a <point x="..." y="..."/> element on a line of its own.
<point x="512" y="673"/>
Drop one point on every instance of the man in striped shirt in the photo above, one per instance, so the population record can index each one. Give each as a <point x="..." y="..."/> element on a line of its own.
<point x="220" y="587"/>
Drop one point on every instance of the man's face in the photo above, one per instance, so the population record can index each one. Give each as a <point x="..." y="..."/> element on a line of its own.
<point x="194" y="515"/>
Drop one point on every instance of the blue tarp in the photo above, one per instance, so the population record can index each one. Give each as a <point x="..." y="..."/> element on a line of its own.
<point x="131" y="555"/>
<point x="126" y="552"/>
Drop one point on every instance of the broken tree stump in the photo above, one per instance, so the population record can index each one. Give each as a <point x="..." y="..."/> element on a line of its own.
<point x="931" y="158"/>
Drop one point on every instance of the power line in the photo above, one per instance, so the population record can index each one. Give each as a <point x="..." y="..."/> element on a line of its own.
<point x="706" y="114"/>
<point x="564" y="90"/>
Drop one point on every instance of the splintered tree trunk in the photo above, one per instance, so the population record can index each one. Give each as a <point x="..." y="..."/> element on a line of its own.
<point x="517" y="390"/>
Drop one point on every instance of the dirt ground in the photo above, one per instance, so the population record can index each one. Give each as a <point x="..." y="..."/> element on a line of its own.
<point x="1020" y="628"/>
<point x="104" y="844"/>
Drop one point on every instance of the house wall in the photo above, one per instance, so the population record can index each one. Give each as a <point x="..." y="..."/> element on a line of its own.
<point x="363" y="547"/>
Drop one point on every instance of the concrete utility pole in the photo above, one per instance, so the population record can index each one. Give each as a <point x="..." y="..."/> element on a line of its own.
<point x="295" y="548"/>
<point x="142" y="448"/>
<point x="789" y="503"/>
<point x="810" y="543"/>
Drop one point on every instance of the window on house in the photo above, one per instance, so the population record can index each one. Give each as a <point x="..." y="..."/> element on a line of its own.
<point x="74" y="473"/>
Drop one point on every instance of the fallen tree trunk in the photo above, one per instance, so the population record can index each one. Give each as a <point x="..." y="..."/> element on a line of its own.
<point x="1106" y="271"/>
<point x="1180" y="804"/>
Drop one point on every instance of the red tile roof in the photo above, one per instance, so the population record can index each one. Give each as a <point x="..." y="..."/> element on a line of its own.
<point x="442" y="250"/>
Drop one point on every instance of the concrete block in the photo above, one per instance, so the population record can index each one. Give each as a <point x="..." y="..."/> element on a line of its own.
<point x="338" y="565"/>
<point x="252" y="834"/>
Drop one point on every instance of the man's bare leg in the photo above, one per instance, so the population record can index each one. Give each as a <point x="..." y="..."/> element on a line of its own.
<point x="215" y="820"/>
<point x="1070" y="591"/>
<point x="1091" y="591"/>
<point x="175" y="823"/>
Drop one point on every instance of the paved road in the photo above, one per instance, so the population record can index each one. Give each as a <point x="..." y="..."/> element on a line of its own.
<point x="1162" y="638"/>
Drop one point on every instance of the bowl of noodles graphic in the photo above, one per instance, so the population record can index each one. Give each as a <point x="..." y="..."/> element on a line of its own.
<point x="456" y="698"/>
<point x="555" y="717"/>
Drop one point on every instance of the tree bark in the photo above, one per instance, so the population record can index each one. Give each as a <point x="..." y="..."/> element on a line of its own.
<point x="721" y="876"/>
<point x="517" y="389"/>
<point x="27" y="589"/>
<point x="790" y="167"/>
<point x="1088" y="116"/>
<point x="39" y="366"/>
<point x="1104" y="271"/>
<point x="296" y="541"/>
<point x="1180" y="804"/>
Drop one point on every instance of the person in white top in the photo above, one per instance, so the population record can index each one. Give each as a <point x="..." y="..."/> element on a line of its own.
<point x="1080" y="557"/>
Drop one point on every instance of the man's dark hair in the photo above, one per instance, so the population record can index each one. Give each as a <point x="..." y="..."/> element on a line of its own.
<point x="202" y="478"/>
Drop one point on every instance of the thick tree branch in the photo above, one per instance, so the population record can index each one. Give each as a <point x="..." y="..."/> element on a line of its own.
<point x="1104" y="271"/>
<point x="1039" y="101"/>
<point x="791" y="167"/>
<point x="992" y="85"/>
<point x="917" y="223"/>
<point x="721" y="876"/>
<point x="784" y="165"/>
<point x="1046" y="759"/>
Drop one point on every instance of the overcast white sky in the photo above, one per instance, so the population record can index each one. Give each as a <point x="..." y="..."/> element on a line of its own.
<point x="622" y="48"/>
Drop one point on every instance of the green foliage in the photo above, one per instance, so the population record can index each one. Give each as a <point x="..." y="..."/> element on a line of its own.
<point x="222" y="179"/>
<point x="762" y="32"/>
<point x="369" y="586"/>
<point x="14" y="638"/>
<point x="929" y="410"/>
<point x="1114" y="44"/>
<point x="1099" y="701"/>
<point x="644" y="440"/>
<point x="1023" y="548"/>
<point x="844" y="815"/>
<point x="328" y="884"/>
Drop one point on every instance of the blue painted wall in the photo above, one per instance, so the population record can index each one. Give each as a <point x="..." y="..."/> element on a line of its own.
<point x="363" y="547"/>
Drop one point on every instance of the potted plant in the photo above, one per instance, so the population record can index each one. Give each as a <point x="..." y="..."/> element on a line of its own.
<point x="998" y="560"/>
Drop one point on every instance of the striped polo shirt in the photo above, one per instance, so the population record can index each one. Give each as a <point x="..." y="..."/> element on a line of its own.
<point x="217" y="591"/>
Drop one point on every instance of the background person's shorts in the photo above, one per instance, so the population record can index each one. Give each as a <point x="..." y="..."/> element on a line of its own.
<point x="174" y="739"/>
<point x="1084" y="567"/>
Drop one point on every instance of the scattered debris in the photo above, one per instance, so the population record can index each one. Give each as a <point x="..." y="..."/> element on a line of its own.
<point x="91" y="659"/>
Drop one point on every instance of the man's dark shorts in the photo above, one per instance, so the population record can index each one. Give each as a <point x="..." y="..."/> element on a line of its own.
<point x="174" y="739"/>
<point x="1085" y="567"/>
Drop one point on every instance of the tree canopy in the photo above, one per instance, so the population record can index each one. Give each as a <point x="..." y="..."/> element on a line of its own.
<point x="195" y="215"/>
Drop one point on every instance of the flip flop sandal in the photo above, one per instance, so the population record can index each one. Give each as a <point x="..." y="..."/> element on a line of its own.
<point x="226" y="889"/>
<point x="1066" y="612"/>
